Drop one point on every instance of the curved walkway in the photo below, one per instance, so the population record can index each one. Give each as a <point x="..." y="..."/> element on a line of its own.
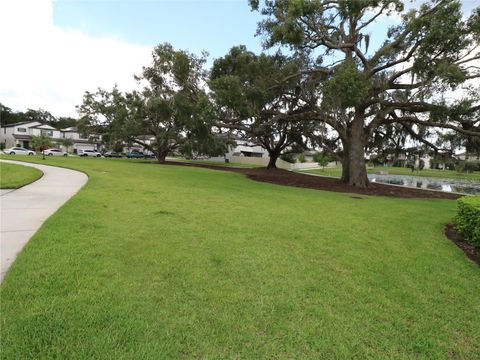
<point x="24" y="210"/>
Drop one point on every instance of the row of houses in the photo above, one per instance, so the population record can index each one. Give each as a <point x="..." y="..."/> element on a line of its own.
<point x="21" y="135"/>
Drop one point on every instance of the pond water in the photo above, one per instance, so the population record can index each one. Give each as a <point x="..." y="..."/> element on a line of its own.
<point x="429" y="183"/>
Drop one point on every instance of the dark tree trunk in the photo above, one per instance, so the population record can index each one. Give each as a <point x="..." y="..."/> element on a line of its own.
<point x="161" y="158"/>
<point x="272" y="162"/>
<point x="161" y="155"/>
<point x="354" y="167"/>
<point x="345" y="164"/>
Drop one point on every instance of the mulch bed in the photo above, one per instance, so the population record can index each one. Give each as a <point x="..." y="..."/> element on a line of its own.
<point x="290" y="178"/>
<point x="472" y="252"/>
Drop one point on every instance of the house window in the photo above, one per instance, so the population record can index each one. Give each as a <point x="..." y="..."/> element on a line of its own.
<point x="47" y="133"/>
<point x="22" y="130"/>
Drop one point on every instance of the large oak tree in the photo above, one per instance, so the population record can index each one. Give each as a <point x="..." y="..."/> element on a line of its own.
<point x="171" y="113"/>
<point x="250" y="91"/>
<point x="434" y="49"/>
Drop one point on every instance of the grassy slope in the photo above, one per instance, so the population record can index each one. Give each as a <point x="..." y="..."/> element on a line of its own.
<point x="187" y="262"/>
<point x="15" y="176"/>
<point x="448" y="174"/>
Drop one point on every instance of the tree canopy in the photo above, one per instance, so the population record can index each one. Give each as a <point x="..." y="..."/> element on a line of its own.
<point x="251" y="93"/>
<point x="433" y="50"/>
<point x="171" y="113"/>
<point x="8" y="116"/>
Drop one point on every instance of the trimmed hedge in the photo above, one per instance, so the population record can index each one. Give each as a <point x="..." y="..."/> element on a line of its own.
<point x="467" y="221"/>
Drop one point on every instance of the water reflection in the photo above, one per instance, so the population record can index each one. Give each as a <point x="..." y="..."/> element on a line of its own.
<point x="447" y="185"/>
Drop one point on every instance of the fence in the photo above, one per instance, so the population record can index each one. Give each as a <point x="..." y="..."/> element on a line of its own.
<point x="263" y="161"/>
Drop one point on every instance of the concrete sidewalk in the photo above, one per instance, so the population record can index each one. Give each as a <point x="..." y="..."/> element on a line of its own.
<point x="23" y="211"/>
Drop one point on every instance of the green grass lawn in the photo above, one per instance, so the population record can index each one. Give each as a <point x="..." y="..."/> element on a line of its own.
<point x="15" y="176"/>
<point x="217" y="163"/>
<point x="447" y="174"/>
<point x="151" y="261"/>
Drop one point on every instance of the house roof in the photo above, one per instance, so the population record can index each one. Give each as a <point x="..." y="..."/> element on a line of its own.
<point x="69" y="129"/>
<point x="23" y="123"/>
<point x="43" y="126"/>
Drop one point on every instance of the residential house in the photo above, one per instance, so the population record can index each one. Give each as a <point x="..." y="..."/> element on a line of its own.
<point x="80" y="141"/>
<point x="245" y="152"/>
<point x="20" y="134"/>
<point x="470" y="157"/>
<point x="241" y="148"/>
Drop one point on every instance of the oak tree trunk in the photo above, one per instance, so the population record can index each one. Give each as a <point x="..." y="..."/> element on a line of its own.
<point x="161" y="158"/>
<point x="354" y="170"/>
<point x="272" y="162"/>
<point x="161" y="155"/>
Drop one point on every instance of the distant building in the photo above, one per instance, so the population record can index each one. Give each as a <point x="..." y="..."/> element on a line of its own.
<point x="21" y="134"/>
<point x="471" y="157"/>
<point x="242" y="148"/>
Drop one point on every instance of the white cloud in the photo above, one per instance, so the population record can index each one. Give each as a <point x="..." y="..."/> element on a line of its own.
<point x="44" y="66"/>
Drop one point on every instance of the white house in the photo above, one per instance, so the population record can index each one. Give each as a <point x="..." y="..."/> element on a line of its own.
<point x="242" y="148"/>
<point x="80" y="142"/>
<point x="472" y="157"/>
<point x="246" y="152"/>
<point x="20" y="134"/>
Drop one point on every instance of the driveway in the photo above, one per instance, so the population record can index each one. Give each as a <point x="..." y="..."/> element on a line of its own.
<point x="24" y="210"/>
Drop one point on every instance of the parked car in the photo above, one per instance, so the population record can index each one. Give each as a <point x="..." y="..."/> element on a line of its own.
<point x="18" y="151"/>
<point x="112" y="154"/>
<point x="55" y="152"/>
<point x="92" y="153"/>
<point x="135" y="155"/>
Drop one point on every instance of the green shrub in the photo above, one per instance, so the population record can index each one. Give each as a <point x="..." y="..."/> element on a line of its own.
<point x="466" y="166"/>
<point x="467" y="221"/>
<point x="290" y="158"/>
<point x="302" y="159"/>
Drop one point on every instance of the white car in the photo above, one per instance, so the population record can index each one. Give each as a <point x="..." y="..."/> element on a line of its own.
<point x="18" y="151"/>
<point x="55" y="152"/>
<point x="93" y="153"/>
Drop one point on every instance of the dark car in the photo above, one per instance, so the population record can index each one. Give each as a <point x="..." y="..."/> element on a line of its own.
<point x="135" y="155"/>
<point x="112" y="154"/>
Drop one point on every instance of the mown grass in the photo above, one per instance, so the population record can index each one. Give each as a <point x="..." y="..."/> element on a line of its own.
<point x="446" y="174"/>
<point x="216" y="163"/>
<point x="151" y="261"/>
<point x="14" y="176"/>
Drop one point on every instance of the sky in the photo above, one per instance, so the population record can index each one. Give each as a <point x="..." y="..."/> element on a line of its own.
<point x="54" y="51"/>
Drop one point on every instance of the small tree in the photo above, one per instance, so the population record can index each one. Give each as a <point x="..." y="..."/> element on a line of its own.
<point x="41" y="143"/>
<point x="322" y="159"/>
<point x="67" y="142"/>
<point x="302" y="159"/>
